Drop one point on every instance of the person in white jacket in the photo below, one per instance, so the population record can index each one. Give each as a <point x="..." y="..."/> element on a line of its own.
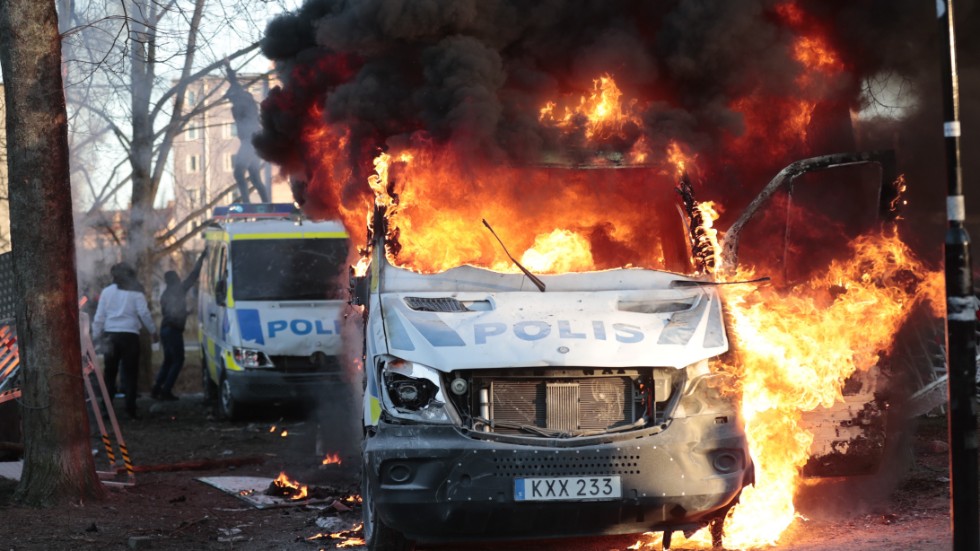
<point x="122" y="310"/>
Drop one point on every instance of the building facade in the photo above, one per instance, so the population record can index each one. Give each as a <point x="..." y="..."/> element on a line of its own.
<point x="204" y="153"/>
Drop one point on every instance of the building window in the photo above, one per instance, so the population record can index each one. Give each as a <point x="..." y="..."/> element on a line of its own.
<point x="193" y="163"/>
<point x="191" y="97"/>
<point x="229" y="162"/>
<point x="229" y="131"/>
<point x="193" y="133"/>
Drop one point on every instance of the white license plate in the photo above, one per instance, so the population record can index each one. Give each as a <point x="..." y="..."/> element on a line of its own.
<point x="567" y="488"/>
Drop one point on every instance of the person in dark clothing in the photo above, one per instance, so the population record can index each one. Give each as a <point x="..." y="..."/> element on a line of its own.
<point x="173" y="307"/>
<point x="246" y="162"/>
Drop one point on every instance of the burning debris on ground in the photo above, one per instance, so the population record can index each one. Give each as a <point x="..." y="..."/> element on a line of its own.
<point x="289" y="488"/>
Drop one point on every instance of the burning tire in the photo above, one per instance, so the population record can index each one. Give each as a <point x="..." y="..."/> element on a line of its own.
<point x="377" y="535"/>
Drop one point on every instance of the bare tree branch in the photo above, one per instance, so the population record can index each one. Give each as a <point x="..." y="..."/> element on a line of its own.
<point x="176" y="245"/>
<point x="161" y="103"/>
<point x="173" y="128"/>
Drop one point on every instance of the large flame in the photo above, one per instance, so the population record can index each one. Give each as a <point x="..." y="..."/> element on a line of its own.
<point x="794" y="346"/>
<point x="600" y="115"/>
<point x="441" y="199"/>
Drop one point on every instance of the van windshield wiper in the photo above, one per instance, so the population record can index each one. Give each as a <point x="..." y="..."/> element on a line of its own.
<point x="534" y="279"/>
<point x="696" y="283"/>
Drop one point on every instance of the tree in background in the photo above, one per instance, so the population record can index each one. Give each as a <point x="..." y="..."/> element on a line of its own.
<point x="129" y="65"/>
<point x="58" y="462"/>
<point x="4" y="210"/>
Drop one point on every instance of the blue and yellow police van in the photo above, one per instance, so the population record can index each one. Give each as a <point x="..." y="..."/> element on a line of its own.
<point x="272" y="290"/>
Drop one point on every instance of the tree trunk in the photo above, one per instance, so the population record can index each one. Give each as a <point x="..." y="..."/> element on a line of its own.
<point x="58" y="464"/>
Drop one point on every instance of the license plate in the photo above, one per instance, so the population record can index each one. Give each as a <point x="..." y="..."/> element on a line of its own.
<point x="567" y="488"/>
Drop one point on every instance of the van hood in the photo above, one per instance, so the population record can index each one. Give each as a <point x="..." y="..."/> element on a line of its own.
<point x="602" y="329"/>
<point x="289" y="328"/>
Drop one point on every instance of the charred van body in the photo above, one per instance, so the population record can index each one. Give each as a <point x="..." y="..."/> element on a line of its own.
<point x="493" y="410"/>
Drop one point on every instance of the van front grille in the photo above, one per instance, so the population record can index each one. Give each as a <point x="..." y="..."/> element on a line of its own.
<point x="586" y="403"/>
<point x="527" y="463"/>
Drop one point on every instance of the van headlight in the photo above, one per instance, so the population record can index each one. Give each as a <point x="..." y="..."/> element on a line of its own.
<point x="251" y="358"/>
<point x="414" y="391"/>
<point x="708" y="392"/>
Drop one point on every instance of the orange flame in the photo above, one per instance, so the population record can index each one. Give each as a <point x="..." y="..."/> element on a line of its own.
<point x="437" y="219"/>
<point x="815" y="54"/>
<point x="557" y="252"/>
<point x="781" y="124"/>
<point x="900" y="186"/>
<point x="362" y="266"/>
<point x="348" y="537"/>
<point x="678" y="158"/>
<point x="603" y="111"/>
<point x="331" y="459"/>
<point x="708" y="235"/>
<point x="283" y="481"/>
<point x="795" y="348"/>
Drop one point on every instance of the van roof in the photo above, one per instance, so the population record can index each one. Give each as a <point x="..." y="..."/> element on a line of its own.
<point x="269" y="221"/>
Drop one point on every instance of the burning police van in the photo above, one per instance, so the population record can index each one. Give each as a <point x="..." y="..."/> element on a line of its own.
<point x="505" y="406"/>
<point x="518" y="405"/>
<point x="269" y="306"/>
<point x="496" y="410"/>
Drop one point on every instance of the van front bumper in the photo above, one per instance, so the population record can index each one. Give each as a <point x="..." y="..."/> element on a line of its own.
<point x="269" y="385"/>
<point x="439" y="484"/>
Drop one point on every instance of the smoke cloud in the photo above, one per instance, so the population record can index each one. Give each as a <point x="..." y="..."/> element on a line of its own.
<point x="475" y="73"/>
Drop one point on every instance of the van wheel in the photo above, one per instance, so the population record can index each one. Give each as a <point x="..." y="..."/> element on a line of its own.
<point x="231" y="409"/>
<point x="210" y="389"/>
<point x="378" y="536"/>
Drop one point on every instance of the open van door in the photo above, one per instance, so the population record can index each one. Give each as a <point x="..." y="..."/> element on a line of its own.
<point x="846" y="194"/>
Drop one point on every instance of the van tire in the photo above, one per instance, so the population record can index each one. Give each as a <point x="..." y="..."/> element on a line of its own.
<point x="210" y="389"/>
<point x="230" y="408"/>
<point x="378" y="536"/>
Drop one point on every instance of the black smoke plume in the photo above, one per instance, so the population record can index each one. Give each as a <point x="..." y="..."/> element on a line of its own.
<point x="475" y="73"/>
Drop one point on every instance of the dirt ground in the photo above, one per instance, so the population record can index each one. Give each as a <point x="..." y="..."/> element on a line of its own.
<point x="174" y="510"/>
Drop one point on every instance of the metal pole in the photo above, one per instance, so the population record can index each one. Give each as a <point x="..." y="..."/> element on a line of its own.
<point x="961" y="311"/>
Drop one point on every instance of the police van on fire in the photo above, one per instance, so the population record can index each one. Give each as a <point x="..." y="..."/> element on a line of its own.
<point x="269" y="306"/>
<point x="505" y="405"/>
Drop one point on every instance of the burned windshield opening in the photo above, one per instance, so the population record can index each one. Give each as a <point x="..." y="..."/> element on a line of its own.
<point x="288" y="269"/>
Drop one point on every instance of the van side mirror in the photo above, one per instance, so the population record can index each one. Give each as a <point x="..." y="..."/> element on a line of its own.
<point x="221" y="292"/>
